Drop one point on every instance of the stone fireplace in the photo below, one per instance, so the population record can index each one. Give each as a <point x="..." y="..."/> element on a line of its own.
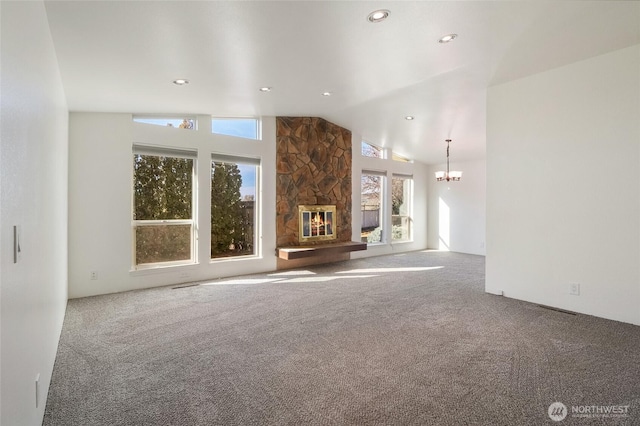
<point x="313" y="170"/>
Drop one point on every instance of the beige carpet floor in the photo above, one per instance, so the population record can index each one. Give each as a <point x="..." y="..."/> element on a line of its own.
<point x="408" y="339"/>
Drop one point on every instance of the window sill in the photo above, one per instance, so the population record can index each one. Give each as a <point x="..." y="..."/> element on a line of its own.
<point x="158" y="269"/>
<point x="234" y="258"/>
<point x="380" y="244"/>
<point x="402" y="242"/>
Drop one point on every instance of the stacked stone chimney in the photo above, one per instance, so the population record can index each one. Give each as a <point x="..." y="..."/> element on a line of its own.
<point x="313" y="168"/>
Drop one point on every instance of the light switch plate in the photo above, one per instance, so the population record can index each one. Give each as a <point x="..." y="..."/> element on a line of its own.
<point x="16" y="243"/>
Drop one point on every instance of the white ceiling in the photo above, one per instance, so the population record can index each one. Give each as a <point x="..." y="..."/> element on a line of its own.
<point x="123" y="56"/>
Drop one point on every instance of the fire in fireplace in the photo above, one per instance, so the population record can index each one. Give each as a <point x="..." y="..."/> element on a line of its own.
<point x="317" y="223"/>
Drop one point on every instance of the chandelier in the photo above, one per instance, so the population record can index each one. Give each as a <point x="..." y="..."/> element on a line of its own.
<point x="448" y="175"/>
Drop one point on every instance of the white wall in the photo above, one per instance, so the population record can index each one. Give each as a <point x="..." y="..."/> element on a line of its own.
<point x="100" y="181"/>
<point x="100" y="203"/>
<point x="389" y="167"/>
<point x="457" y="210"/>
<point x="33" y="292"/>
<point x="563" y="187"/>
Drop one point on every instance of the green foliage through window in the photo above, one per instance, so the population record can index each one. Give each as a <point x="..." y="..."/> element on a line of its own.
<point x="232" y="216"/>
<point x="163" y="187"/>
<point x="162" y="203"/>
<point x="163" y="243"/>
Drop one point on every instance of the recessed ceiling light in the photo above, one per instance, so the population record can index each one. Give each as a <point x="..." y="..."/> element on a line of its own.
<point x="409" y="117"/>
<point x="265" y="89"/>
<point x="378" y="15"/>
<point x="180" y="81"/>
<point x="447" y="38"/>
<point x="326" y="94"/>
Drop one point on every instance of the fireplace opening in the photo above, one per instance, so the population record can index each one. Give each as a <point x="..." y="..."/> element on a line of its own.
<point x="317" y="223"/>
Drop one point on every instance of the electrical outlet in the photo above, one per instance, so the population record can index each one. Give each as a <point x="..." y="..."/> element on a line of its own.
<point x="94" y="275"/>
<point x="574" y="289"/>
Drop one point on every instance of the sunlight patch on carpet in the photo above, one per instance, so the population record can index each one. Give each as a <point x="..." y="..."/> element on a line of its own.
<point x="323" y="279"/>
<point x="246" y="281"/>
<point x="383" y="270"/>
<point x="289" y="273"/>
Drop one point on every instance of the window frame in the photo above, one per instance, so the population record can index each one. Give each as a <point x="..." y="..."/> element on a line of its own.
<point x="382" y="215"/>
<point x="161" y="151"/>
<point x="399" y="158"/>
<point x="376" y="148"/>
<point x="258" y="135"/>
<point x="409" y="208"/>
<point x="257" y="242"/>
<point x="137" y="117"/>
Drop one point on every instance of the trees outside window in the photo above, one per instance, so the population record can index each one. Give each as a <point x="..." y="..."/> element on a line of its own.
<point x="371" y="207"/>
<point x="401" y="193"/>
<point x="369" y="150"/>
<point x="188" y="123"/>
<point x="163" y="206"/>
<point x="233" y="208"/>
<point x="374" y="207"/>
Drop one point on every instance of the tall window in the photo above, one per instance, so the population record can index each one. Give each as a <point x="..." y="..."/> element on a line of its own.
<point x="369" y="150"/>
<point x="163" y="206"/>
<point x="371" y="207"/>
<point x="247" y="128"/>
<point x="233" y="206"/>
<point x="401" y="196"/>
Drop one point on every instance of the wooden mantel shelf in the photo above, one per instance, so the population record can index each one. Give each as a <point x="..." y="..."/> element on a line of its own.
<point x="298" y="252"/>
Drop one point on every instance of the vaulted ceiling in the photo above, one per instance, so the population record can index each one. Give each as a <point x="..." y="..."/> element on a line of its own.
<point x="123" y="56"/>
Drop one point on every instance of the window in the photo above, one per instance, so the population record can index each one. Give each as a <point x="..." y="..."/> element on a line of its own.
<point x="401" y="192"/>
<point x="178" y="122"/>
<point x="241" y="127"/>
<point x="397" y="157"/>
<point x="233" y="206"/>
<point x="371" y="207"/>
<point x="163" y="206"/>
<point x="369" y="150"/>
